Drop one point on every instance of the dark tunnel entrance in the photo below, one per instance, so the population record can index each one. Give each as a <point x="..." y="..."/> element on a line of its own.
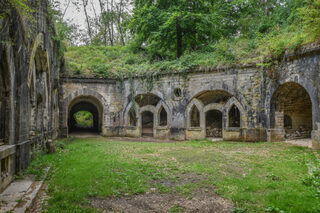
<point x="88" y="114"/>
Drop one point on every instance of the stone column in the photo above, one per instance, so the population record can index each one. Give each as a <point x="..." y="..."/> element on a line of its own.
<point x="315" y="135"/>
<point x="278" y="133"/>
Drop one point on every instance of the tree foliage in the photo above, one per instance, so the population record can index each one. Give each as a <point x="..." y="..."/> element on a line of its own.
<point x="167" y="28"/>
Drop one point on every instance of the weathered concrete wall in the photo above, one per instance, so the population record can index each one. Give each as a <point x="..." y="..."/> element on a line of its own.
<point x="29" y="68"/>
<point x="249" y="89"/>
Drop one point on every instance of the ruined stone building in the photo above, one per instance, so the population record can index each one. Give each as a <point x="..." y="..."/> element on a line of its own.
<point x="240" y="103"/>
<point x="29" y="69"/>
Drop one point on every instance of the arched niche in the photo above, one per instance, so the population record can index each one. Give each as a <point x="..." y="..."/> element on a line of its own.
<point x="234" y="117"/>
<point x="194" y="115"/>
<point x="234" y="108"/>
<point x="291" y="109"/>
<point x="163" y="115"/>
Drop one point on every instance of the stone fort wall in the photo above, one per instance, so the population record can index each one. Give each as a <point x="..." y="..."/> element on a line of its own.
<point x="29" y="82"/>
<point x="243" y="103"/>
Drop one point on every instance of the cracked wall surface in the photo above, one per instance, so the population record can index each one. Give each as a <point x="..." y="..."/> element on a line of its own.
<point x="29" y="72"/>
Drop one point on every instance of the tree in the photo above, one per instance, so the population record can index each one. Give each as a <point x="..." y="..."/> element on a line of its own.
<point x="85" y="4"/>
<point x="169" y="28"/>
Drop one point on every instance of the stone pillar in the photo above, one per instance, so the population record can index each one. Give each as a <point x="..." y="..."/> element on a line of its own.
<point x="279" y="120"/>
<point x="278" y="133"/>
<point x="63" y="132"/>
<point x="315" y="135"/>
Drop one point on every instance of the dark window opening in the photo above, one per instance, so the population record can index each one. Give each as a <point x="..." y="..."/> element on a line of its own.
<point x="177" y="92"/>
<point x="214" y="124"/>
<point x="147" y="124"/>
<point x="194" y="117"/>
<point x="163" y="117"/>
<point x="234" y="117"/>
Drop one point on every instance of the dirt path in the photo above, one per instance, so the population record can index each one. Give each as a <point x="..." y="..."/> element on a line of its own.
<point x="301" y="142"/>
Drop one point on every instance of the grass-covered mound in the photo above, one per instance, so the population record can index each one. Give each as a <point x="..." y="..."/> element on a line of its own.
<point x="119" y="61"/>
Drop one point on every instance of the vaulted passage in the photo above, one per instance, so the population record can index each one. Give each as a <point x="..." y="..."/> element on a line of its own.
<point x="291" y="109"/>
<point x="88" y="112"/>
<point x="147" y="123"/>
<point x="85" y="115"/>
<point x="214" y="124"/>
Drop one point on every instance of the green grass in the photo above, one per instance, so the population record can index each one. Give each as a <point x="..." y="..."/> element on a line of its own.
<point x="84" y="119"/>
<point x="256" y="177"/>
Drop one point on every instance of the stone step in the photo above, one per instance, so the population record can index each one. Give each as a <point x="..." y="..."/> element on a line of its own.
<point x="19" y="195"/>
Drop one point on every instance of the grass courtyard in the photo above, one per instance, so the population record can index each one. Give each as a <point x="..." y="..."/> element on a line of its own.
<point x="90" y="175"/>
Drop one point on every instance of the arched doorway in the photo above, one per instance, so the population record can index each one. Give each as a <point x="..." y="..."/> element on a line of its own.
<point x="234" y="117"/>
<point x="291" y="110"/>
<point x="214" y="124"/>
<point x="194" y="117"/>
<point x="163" y="117"/>
<point x="147" y="123"/>
<point x="85" y="115"/>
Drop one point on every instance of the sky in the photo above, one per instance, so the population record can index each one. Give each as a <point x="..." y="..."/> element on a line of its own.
<point x="76" y="15"/>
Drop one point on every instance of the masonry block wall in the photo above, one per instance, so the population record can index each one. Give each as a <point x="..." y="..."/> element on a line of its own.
<point x="29" y="68"/>
<point x="242" y="103"/>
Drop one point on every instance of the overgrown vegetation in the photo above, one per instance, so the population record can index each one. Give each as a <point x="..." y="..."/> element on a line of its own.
<point x="256" y="177"/>
<point x="175" y="36"/>
<point x="84" y="119"/>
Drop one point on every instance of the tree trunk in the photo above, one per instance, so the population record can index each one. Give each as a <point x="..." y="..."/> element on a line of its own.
<point x="109" y="27"/>
<point x="119" y="16"/>
<point x="65" y="10"/>
<point x="103" y="22"/>
<point x="85" y="3"/>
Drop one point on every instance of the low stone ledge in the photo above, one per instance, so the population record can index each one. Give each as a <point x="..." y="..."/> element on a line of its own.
<point x="7" y="150"/>
<point x="162" y="128"/>
<point x="276" y="135"/>
<point x="231" y="134"/>
<point x="195" y="133"/>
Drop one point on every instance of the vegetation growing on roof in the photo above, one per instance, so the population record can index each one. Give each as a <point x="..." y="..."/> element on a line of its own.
<point x="178" y="36"/>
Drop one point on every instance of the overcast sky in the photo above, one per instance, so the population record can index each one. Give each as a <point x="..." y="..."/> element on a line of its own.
<point x="76" y="15"/>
